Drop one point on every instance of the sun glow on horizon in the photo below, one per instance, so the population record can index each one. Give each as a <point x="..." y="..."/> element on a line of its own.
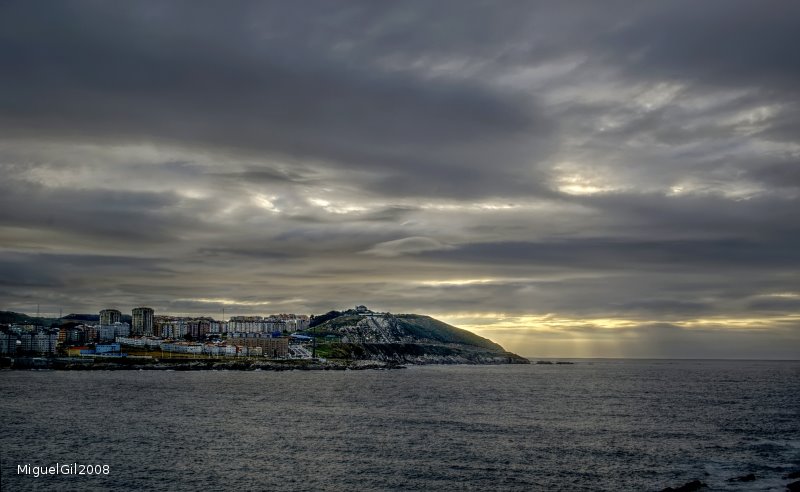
<point x="553" y="335"/>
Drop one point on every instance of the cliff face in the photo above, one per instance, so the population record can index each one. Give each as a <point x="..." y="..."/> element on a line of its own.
<point x="411" y="339"/>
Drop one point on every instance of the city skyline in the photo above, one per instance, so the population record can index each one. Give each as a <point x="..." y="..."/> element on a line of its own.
<point x="582" y="180"/>
<point x="60" y="312"/>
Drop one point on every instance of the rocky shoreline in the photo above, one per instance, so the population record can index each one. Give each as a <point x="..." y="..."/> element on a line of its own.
<point x="426" y="353"/>
<point x="697" y="485"/>
<point x="141" y="364"/>
<point x="146" y="364"/>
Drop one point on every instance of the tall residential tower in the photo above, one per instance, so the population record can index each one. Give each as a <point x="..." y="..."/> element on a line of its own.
<point x="110" y="316"/>
<point x="142" y="322"/>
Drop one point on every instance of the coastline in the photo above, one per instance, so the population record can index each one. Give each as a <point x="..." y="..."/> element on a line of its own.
<point x="73" y="364"/>
<point x="128" y="364"/>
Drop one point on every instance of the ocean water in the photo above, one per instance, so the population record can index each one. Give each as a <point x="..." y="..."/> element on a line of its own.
<point x="595" y="425"/>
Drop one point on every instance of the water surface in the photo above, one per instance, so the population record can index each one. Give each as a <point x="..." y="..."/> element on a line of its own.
<point x="595" y="425"/>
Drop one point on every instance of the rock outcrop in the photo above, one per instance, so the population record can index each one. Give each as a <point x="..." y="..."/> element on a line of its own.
<point x="687" y="487"/>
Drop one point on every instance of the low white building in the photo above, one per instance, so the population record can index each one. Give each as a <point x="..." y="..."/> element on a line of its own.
<point x="183" y="347"/>
<point x="146" y="342"/>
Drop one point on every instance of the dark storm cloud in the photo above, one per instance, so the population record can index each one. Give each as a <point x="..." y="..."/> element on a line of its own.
<point x="779" y="174"/>
<point x="576" y="161"/>
<point x="716" y="43"/>
<point x="253" y="252"/>
<point x="265" y="176"/>
<point x="583" y="296"/>
<point x="786" y="125"/>
<point x="88" y="70"/>
<point x="665" y="306"/>
<point x="613" y="254"/>
<point x="776" y="304"/>
<point x="116" y="215"/>
<point x="17" y="270"/>
<point x="72" y="280"/>
<point x="761" y="218"/>
<point x="79" y="262"/>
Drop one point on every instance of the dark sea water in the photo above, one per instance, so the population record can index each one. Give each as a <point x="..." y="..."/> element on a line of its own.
<point x="596" y="425"/>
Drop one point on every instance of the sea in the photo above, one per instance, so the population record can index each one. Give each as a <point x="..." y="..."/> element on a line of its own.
<point x="595" y="425"/>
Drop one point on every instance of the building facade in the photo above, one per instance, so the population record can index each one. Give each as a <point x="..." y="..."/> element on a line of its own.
<point x="284" y="323"/>
<point x="8" y="343"/>
<point x="111" y="332"/>
<point x="142" y="322"/>
<point x="271" y="347"/>
<point x="39" y="342"/>
<point x="110" y="316"/>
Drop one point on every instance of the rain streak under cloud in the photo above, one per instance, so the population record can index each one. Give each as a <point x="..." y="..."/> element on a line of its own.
<point x="582" y="179"/>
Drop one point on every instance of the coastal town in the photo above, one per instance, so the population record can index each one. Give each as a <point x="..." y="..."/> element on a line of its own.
<point x="354" y="338"/>
<point x="112" y="335"/>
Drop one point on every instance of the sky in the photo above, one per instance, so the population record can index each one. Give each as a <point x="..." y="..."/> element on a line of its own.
<point x="568" y="179"/>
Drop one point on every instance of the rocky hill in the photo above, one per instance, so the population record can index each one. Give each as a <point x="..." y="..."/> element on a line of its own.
<point x="407" y="338"/>
<point x="10" y="318"/>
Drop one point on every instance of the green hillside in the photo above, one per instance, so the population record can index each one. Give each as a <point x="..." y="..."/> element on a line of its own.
<point x="426" y="327"/>
<point x="404" y="339"/>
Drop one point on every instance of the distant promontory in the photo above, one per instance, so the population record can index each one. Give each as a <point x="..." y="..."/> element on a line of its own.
<point x="405" y="339"/>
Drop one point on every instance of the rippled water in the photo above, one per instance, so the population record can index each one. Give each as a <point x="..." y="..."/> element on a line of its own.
<point x="595" y="425"/>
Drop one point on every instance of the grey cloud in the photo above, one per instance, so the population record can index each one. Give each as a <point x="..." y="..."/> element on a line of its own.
<point x="600" y="253"/>
<point x="18" y="270"/>
<point x="407" y="245"/>
<point x="717" y="43"/>
<point x="116" y="215"/>
<point x="266" y="175"/>
<point x="704" y="216"/>
<point x="315" y="155"/>
<point x="78" y="263"/>
<point x="248" y="252"/>
<point x="780" y="174"/>
<point x="74" y="280"/>
<point x="244" y="92"/>
<point x="664" y="306"/>
<point x="784" y="305"/>
<point x="785" y="126"/>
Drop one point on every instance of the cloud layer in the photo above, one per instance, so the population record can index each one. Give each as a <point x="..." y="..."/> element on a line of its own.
<point x="577" y="179"/>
